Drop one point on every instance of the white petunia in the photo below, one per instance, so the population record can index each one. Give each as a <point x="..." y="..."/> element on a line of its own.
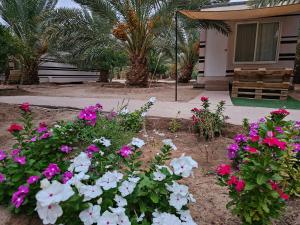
<point x="178" y="201"/>
<point x="81" y="163"/>
<point x="170" y="143"/>
<point x="109" y="180"/>
<point x="183" y="166"/>
<point x="90" y="215"/>
<point x="134" y="179"/>
<point x="103" y="141"/>
<point x="121" y="202"/>
<point x="122" y="217"/>
<point x="152" y="100"/>
<point x="176" y="188"/>
<point x="159" y="176"/>
<point x="45" y="183"/>
<point x="50" y="213"/>
<point x="124" y="111"/>
<point x="127" y="188"/>
<point x="165" y="219"/>
<point x="185" y="216"/>
<point x="141" y="217"/>
<point x="108" y="218"/>
<point x="137" y="142"/>
<point x="90" y="191"/>
<point x="54" y="193"/>
<point x="77" y="178"/>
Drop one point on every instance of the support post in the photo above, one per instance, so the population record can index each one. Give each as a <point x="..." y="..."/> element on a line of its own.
<point x="176" y="60"/>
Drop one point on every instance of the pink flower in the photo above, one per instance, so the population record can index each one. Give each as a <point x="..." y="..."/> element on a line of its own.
<point x="66" y="148"/>
<point x="51" y="171"/>
<point x="67" y="176"/>
<point x="15" y="152"/>
<point x="32" y="179"/>
<point x="23" y="189"/>
<point x="33" y="139"/>
<point x="281" y="112"/>
<point x="274" y="185"/>
<point x="274" y="142"/>
<point x="240" y="185"/>
<point x="42" y="127"/>
<point x="89" y="114"/>
<point x="204" y="99"/>
<point x="25" y="107"/>
<point x="46" y="135"/>
<point x="15" y="128"/>
<point x="2" y="155"/>
<point x="125" y="151"/>
<point x="284" y="196"/>
<point x="20" y="159"/>
<point x="2" y="178"/>
<point x="254" y="138"/>
<point x="233" y="180"/>
<point x="17" y="199"/>
<point x="251" y="149"/>
<point x="270" y="133"/>
<point x="279" y="130"/>
<point x="224" y="169"/>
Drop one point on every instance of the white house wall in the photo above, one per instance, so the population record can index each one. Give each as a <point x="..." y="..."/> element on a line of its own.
<point x="52" y="71"/>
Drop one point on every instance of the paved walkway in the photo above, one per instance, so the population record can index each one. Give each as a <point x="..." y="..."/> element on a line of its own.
<point x="160" y="109"/>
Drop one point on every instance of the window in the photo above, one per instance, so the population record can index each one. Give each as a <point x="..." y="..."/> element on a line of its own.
<point x="256" y="42"/>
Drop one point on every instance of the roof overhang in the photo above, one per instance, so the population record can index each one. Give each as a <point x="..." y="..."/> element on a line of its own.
<point x="243" y="14"/>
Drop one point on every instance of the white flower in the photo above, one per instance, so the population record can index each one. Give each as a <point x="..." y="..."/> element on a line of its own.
<point x="121" y="202"/>
<point x="104" y="141"/>
<point x="176" y="188"/>
<point x="44" y="183"/>
<point x="178" y="201"/>
<point x="99" y="201"/>
<point x="54" y="193"/>
<point x="122" y="217"/>
<point x="141" y="217"/>
<point x="144" y="114"/>
<point x="108" y="218"/>
<point x="57" y="126"/>
<point x="109" y="180"/>
<point x="183" y="166"/>
<point x="81" y="163"/>
<point x="165" y="219"/>
<point x="185" y="216"/>
<point x="152" y="100"/>
<point x="50" y="213"/>
<point x="90" y="215"/>
<point x="137" y="142"/>
<point x="170" y="143"/>
<point x="159" y="176"/>
<point x="77" y="178"/>
<point x="127" y="188"/>
<point x="124" y="111"/>
<point x="90" y="191"/>
<point x="134" y="179"/>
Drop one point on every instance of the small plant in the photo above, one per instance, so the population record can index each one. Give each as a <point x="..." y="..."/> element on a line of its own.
<point x="264" y="169"/>
<point x="207" y="123"/>
<point x="175" y="124"/>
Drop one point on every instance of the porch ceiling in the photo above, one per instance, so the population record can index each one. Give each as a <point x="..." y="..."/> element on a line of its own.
<point x="243" y="14"/>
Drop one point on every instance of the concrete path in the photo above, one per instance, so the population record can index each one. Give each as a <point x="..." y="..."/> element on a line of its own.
<point x="160" y="109"/>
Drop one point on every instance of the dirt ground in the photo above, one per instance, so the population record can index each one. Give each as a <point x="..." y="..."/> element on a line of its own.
<point x="211" y="199"/>
<point x="163" y="91"/>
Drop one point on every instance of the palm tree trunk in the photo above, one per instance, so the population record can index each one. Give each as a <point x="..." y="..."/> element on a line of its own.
<point x="104" y="75"/>
<point x="30" y="73"/>
<point x="186" y="73"/>
<point x="138" y="73"/>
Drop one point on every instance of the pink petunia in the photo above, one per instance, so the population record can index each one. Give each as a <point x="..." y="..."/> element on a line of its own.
<point x="51" y="171"/>
<point x="14" y="128"/>
<point x="240" y="185"/>
<point x="67" y="176"/>
<point x="25" y="107"/>
<point x="204" y="99"/>
<point x="66" y="148"/>
<point x="2" y="155"/>
<point x="125" y="151"/>
<point x="33" y="179"/>
<point x="20" y="159"/>
<point x="224" y="169"/>
<point x="233" y="180"/>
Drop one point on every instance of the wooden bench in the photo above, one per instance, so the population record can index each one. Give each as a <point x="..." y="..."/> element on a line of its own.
<point x="15" y="77"/>
<point x="261" y="83"/>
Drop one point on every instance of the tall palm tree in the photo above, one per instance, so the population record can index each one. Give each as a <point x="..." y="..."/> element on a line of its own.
<point x="24" y="18"/>
<point x="137" y="24"/>
<point x="82" y="38"/>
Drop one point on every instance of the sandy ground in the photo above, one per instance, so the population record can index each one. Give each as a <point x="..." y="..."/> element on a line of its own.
<point x="162" y="91"/>
<point x="211" y="199"/>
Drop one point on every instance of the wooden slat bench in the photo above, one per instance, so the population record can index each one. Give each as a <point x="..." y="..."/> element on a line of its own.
<point x="261" y="83"/>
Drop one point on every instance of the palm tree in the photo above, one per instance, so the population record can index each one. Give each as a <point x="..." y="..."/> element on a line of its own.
<point x="82" y="38"/>
<point x="25" y="18"/>
<point x="137" y="24"/>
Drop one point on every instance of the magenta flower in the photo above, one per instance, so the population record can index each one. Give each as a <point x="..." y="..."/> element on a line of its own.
<point x="240" y="138"/>
<point x="46" y="135"/>
<point x="279" y="130"/>
<point x="67" y="176"/>
<point x="2" y="178"/>
<point x="33" y="139"/>
<point x="297" y="147"/>
<point x="25" y="107"/>
<point x="20" y="159"/>
<point x="99" y="107"/>
<point x="17" y="199"/>
<point x="32" y="179"/>
<point x="42" y="127"/>
<point x="232" y="151"/>
<point x="23" y="189"/>
<point x="2" y="155"/>
<point x="15" y="152"/>
<point x="66" y="148"/>
<point x="92" y="149"/>
<point x="51" y="171"/>
<point x="125" y="151"/>
<point x="89" y="114"/>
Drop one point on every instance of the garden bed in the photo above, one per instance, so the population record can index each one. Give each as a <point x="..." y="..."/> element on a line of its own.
<point x="211" y="198"/>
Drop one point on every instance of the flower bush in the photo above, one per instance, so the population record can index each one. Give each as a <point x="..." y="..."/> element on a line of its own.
<point x="207" y="123"/>
<point x="70" y="174"/>
<point x="265" y="168"/>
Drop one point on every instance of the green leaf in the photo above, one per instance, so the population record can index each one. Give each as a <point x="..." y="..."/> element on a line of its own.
<point x="154" y="197"/>
<point x="249" y="186"/>
<point x="261" y="179"/>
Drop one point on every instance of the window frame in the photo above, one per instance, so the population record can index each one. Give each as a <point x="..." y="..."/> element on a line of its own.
<point x="255" y="46"/>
